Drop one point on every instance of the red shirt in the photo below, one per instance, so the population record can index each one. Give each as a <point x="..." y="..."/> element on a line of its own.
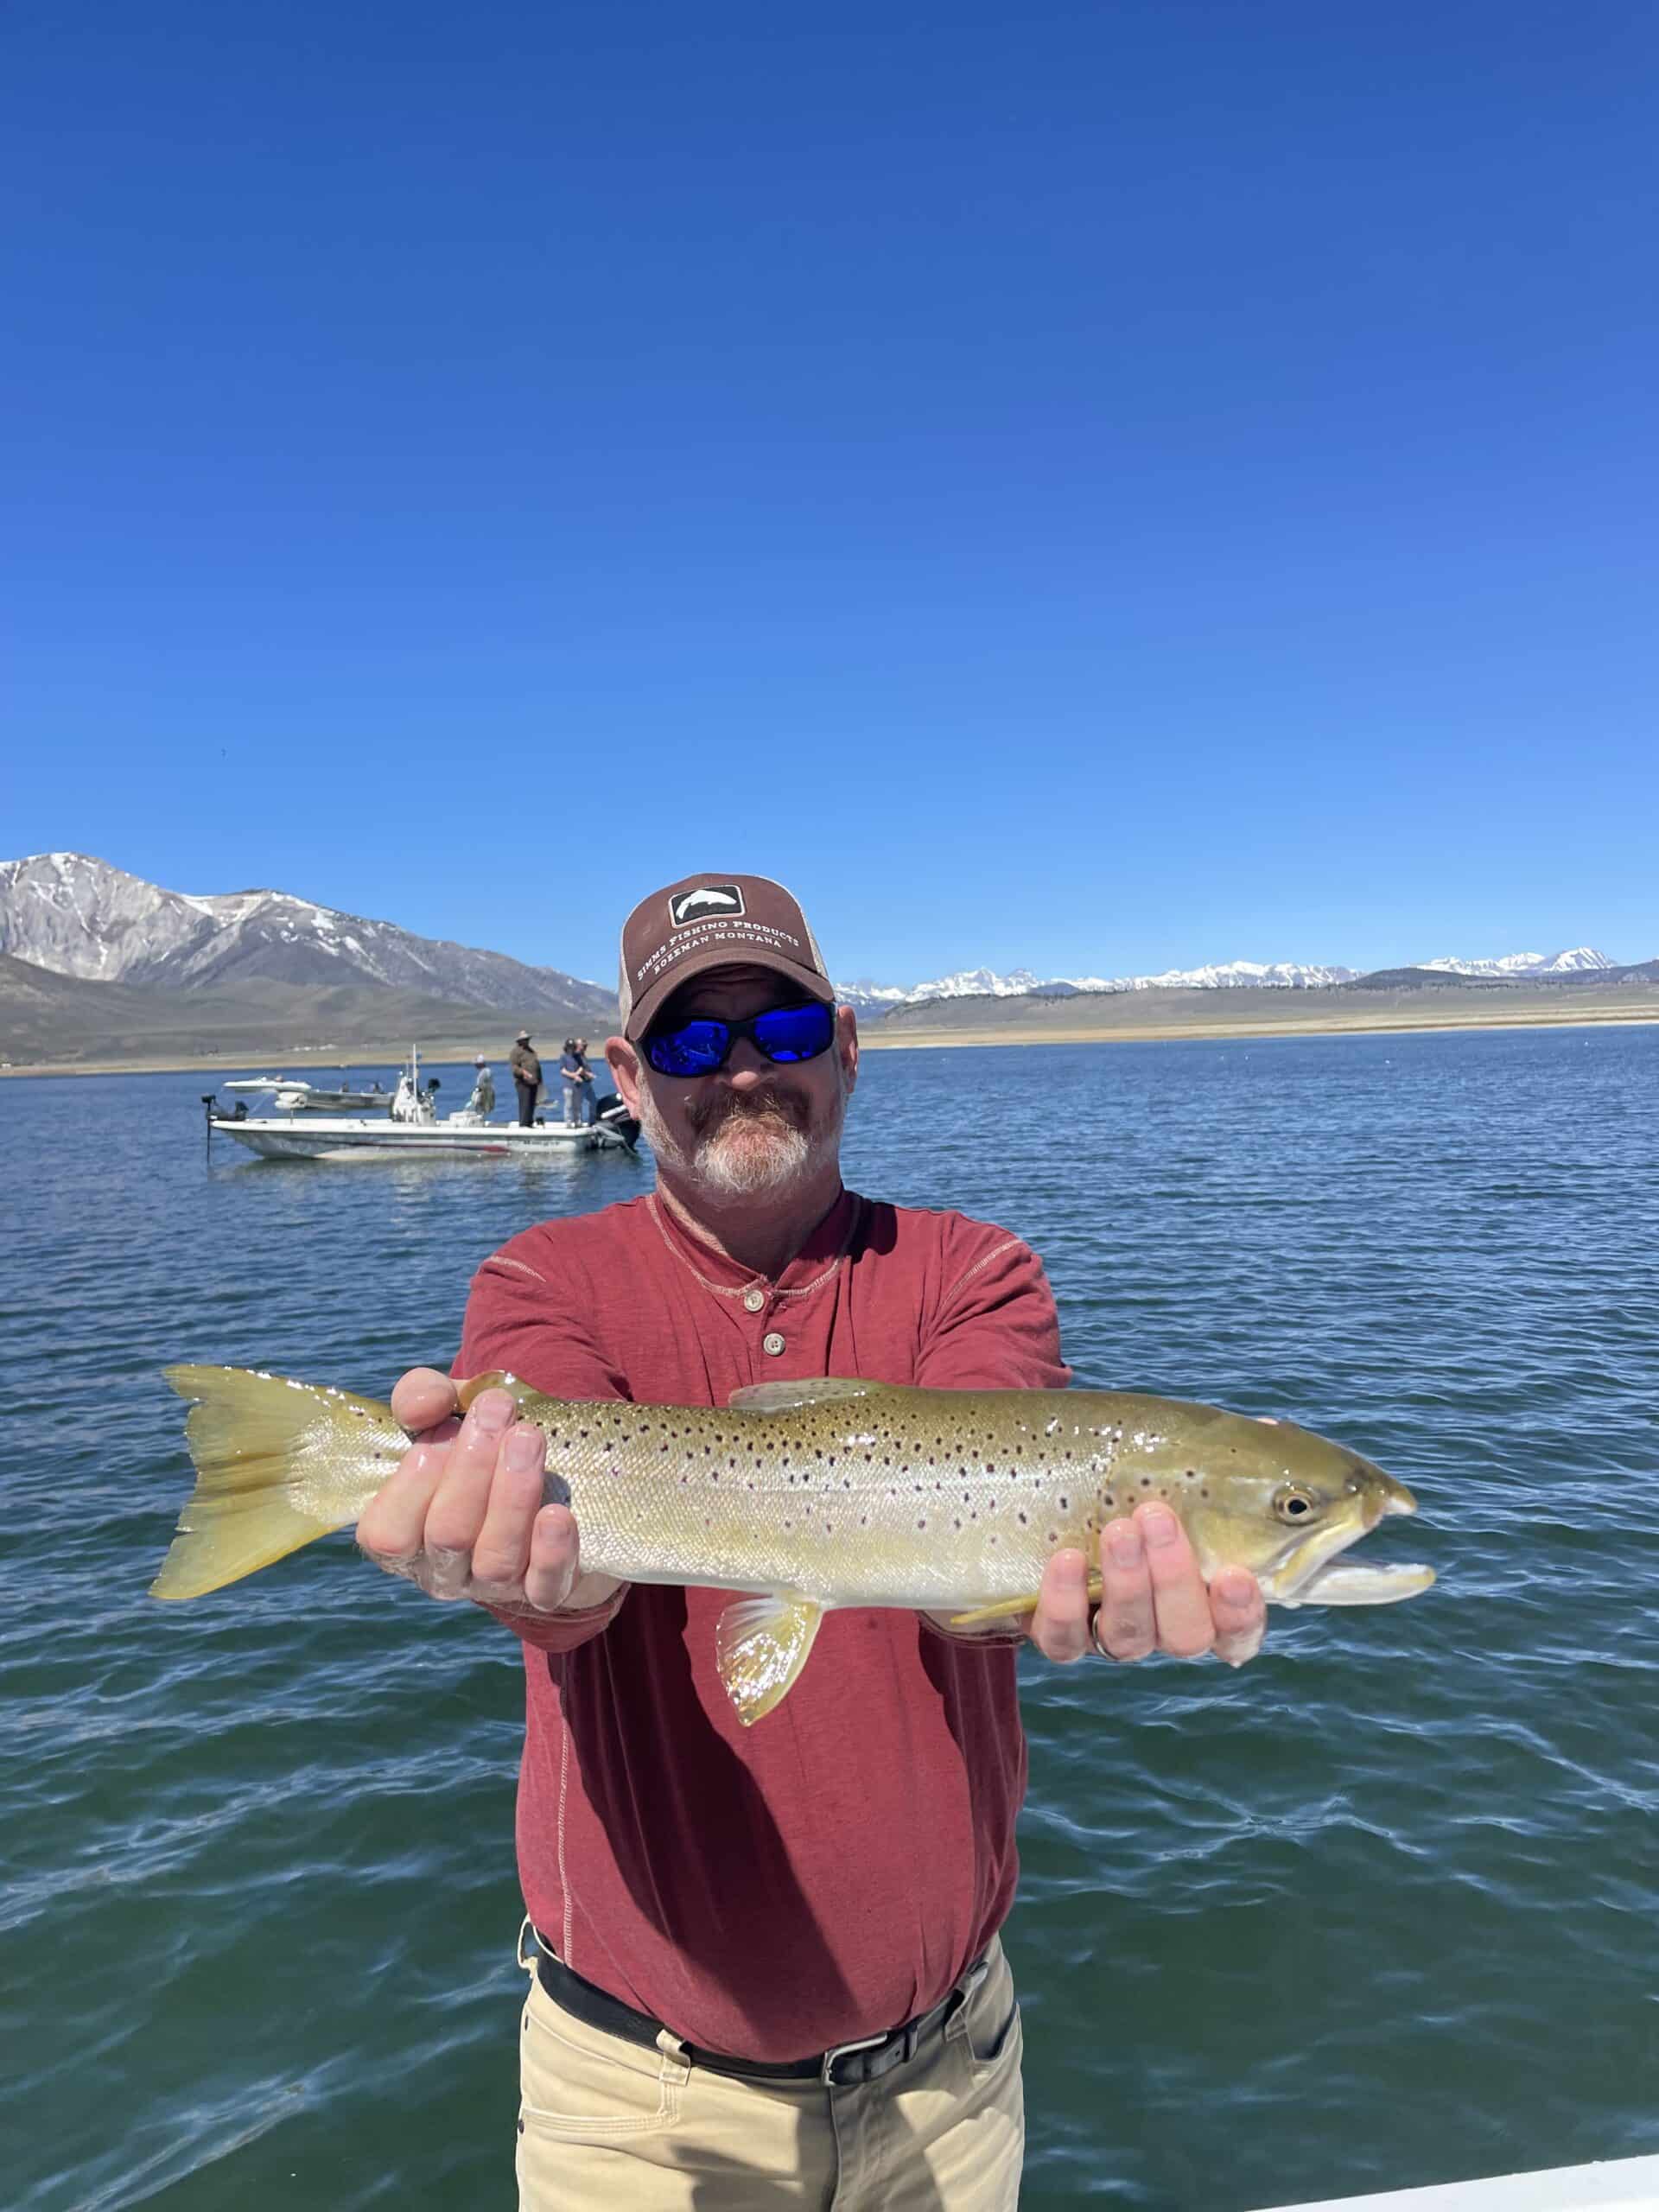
<point x="830" y="1872"/>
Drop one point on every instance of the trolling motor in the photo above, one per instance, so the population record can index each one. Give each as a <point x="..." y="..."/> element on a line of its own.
<point x="213" y="1112"/>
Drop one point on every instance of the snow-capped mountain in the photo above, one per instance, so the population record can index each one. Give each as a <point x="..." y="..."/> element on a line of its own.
<point x="1581" y="961"/>
<point x="985" y="982"/>
<point x="971" y="984"/>
<point x="1230" y="975"/>
<point x="1226" y="976"/>
<point x="80" y="917"/>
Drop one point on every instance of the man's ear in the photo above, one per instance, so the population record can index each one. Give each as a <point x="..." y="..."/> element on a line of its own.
<point x="845" y="1045"/>
<point x="624" y="1063"/>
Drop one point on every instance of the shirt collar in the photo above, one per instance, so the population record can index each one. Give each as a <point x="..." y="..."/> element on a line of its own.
<point x="827" y="1243"/>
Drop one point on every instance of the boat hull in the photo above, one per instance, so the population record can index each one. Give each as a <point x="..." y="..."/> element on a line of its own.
<point x="318" y="1137"/>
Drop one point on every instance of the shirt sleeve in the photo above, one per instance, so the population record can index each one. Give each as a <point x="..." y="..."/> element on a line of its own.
<point x="526" y="1315"/>
<point x="996" y="1326"/>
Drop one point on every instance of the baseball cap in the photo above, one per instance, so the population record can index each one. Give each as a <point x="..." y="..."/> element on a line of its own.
<point x="523" y="1037"/>
<point x="714" y="921"/>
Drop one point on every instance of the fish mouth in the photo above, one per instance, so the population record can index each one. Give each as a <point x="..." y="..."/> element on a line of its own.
<point x="1337" y="1583"/>
<point x="1391" y="1497"/>
<point x="1316" y="1573"/>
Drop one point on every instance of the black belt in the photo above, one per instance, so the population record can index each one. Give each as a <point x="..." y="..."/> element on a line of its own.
<point x="845" y="2067"/>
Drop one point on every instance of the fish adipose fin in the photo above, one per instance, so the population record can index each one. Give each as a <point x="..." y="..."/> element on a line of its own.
<point x="815" y="1390"/>
<point x="760" y="1646"/>
<point x="496" y="1379"/>
<point x="270" y="1455"/>
<point x="1007" y="1609"/>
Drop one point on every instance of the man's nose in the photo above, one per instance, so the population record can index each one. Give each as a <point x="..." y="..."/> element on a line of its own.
<point x="748" y="1067"/>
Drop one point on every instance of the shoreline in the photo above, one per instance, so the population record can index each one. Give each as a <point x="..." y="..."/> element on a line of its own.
<point x="1220" y="1032"/>
<point x="225" y="1065"/>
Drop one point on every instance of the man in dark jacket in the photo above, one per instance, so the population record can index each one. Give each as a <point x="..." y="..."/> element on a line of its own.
<point x="526" y="1077"/>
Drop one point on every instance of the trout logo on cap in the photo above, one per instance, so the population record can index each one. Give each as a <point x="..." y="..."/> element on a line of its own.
<point x="708" y="898"/>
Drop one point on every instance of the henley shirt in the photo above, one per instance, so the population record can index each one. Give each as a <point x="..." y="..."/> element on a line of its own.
<point x="830" y="1872"/>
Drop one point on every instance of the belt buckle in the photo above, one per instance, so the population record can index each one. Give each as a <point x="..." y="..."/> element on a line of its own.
<point x="827" y="2071"/>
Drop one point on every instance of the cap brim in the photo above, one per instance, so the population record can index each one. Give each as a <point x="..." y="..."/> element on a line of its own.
<point x="645" y="1007"/>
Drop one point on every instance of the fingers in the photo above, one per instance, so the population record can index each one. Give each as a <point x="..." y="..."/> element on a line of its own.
<point x="1180" y="1603"/>
<point x="391" y="1528"/>
<point x="423" y="1398"/>
<point x="501" y="1553"/>
<point x="463" y="1515"/>
<point x="1241" y="1615"/>
<point x="455" y="1520"/>
<point x="555" y="1558"/>
<point x="1153" y="1597"/>
<point x="1125" y="1627"/>
<point x="1059" y="1627"/>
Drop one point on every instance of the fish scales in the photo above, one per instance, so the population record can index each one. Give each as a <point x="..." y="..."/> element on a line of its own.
<point x="916" y="1508"/>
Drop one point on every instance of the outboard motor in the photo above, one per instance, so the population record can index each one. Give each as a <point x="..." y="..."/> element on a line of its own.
<point x="610" y="1113"/>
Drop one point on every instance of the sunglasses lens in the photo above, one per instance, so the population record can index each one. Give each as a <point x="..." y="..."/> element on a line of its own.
<point x="795" y="1033"/>
<point x="695" y="1048"/>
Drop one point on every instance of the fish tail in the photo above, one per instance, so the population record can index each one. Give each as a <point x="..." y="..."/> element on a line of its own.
<point x="277" y="1467"/>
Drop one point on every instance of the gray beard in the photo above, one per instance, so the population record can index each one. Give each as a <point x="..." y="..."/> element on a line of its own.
<point x="744" y="1156"/>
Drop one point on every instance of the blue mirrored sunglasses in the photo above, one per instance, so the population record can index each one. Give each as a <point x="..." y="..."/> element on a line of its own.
<point x="781" y="1034"/>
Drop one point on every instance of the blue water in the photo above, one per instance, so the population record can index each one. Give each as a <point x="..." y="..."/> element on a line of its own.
<point x="1377" y="1909"/>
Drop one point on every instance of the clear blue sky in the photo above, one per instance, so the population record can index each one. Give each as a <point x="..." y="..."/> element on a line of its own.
<point x="1090" y="487"/>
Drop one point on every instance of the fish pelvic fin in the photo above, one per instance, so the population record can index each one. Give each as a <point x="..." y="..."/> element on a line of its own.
<point x="270" y="1457"/>
<point x="760" y="1646"/>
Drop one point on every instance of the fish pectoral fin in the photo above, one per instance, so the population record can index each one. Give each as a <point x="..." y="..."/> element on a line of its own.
<point x="813" y="1391"/>
<point x="760" y="1646"/>
<point x="1007" y="1609"/>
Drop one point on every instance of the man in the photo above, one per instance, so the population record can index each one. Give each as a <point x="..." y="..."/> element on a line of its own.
<point x="483" y="1098"/>
<point x="526" y="1077"/>
<point x="766" y="1965"/>
<point x="577" y="1078"/>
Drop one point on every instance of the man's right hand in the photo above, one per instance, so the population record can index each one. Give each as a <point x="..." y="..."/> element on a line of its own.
<point x="463" y="1516"/>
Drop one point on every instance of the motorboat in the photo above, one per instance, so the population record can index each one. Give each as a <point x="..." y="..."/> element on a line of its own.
<point x="411" y="1125"/>
<point x="293" y="1094"/>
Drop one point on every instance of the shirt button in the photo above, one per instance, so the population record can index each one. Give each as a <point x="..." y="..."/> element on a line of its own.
<point x="772" y="1342"/>
<point x="754" y="1298"/>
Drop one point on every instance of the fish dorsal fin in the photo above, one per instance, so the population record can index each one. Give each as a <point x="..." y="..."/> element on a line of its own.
<point x="761" y="1645"/>
<point x="813" y="1390"/>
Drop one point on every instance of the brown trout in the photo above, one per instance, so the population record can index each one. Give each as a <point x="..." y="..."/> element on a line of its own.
<point x="816" y="1493"/>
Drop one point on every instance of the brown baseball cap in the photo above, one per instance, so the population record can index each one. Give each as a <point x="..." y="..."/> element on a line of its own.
<point x="714" y="921"/>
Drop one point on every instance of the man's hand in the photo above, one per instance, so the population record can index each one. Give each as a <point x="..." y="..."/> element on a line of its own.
<point x="463" y="1516"/>
<point x="1153" y="1599"/>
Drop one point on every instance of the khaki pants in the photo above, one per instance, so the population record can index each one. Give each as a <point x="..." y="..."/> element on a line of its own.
<point x="605" y="2126"/>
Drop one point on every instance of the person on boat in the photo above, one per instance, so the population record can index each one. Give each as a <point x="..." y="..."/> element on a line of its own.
<point x="766" y="1966"/>
<point x="590" y="1089"/>
<point x="482" y="1101"/>
<point x="526" y="1077"/>
<point x="578" y="1080"/>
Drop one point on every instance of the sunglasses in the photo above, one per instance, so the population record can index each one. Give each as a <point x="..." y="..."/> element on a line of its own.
<point x="781" y="1034"/>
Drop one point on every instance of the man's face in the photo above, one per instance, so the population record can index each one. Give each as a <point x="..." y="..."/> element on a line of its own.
<point x="753" y="1127"/>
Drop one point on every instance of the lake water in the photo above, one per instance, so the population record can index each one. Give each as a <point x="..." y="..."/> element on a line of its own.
<point x="1377" y="1909"/>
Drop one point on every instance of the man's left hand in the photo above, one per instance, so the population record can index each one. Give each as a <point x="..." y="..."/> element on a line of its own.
<point x="1153" y="1599"/>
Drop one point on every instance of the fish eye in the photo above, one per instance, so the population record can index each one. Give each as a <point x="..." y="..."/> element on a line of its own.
<point x="1291" y="1503"/>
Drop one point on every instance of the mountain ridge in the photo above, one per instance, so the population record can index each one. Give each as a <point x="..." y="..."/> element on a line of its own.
<point x="77" y="916"/>
<point x="83" y="920"/>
